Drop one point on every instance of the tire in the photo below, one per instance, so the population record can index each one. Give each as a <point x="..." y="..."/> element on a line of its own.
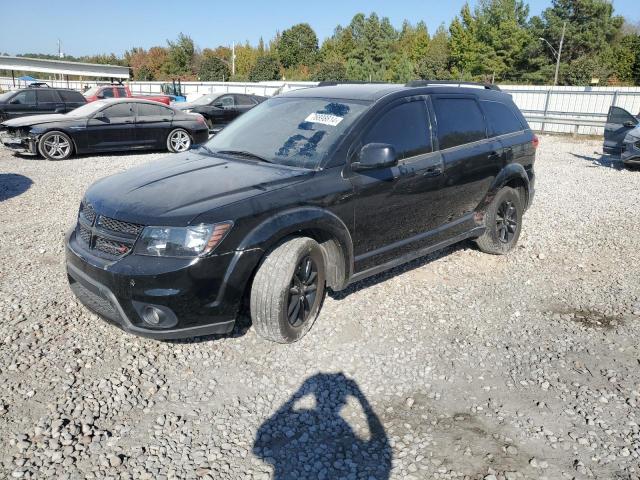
<point x="279" y="311"/>
<point x="178" y="140"/>
<point x="55" y="146"/>
<point x="503" y="222"/>
<point x="209" y="124"/>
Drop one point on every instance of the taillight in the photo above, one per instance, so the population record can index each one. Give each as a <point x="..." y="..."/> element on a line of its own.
<point x="535" y="142"/>
<point x="201" y="119"/>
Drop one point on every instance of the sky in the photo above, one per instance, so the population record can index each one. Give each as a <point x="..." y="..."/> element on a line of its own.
<point x="115" y="26"/>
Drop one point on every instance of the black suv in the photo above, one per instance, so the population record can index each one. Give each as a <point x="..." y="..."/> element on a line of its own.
<point x="36" y="101"/>
<point x="313" y="189"/>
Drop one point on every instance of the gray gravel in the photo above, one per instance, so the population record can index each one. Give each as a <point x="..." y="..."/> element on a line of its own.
<point x="461" y="365"/>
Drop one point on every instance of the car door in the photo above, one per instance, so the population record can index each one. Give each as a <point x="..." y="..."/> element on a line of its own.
<point x="22" y="103"/>
<point x="71" y="99"/>
<point x="153" y="123"/>
<point x="619" y="123"/>
<point x="112" y="128"/>
<point x="396" y="208"/>
<point x="471" y="159"/>
<point x="49" y="102"/>
<point x="227" y="104"/>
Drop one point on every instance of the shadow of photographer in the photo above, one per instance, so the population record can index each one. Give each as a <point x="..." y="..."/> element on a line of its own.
<point x="308" y="437"/>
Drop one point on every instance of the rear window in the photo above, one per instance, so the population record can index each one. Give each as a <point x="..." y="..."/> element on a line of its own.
<point x="405" y="127"/>
<point x="501" y="118"/>
<point x="459" y="121"/>
<point x="71" y="96"/>
<point x="47" y="96"/>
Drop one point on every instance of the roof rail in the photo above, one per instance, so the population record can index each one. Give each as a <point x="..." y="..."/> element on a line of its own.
<point x="333" y="83"/>
<point x="426" y="83"/>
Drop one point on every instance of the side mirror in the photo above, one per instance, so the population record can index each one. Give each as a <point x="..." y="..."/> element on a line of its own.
<point x="101" y="116"/>
<point x="375" y="155"/>
<point x="630" y="124"/>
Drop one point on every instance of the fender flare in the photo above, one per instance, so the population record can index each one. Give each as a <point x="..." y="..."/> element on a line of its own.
<point x="291" y="222"/>
<point x="511" y="172"/>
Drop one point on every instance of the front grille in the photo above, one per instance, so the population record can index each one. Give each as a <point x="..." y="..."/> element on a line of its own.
<point x="108" y="237"/>
<point x="119" y="226"/>
<point x="95" y="302"/>
<point x="115" y="248"/>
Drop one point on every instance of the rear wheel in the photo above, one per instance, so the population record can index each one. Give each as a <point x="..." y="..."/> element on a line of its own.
<point x="503" y="222"/>
<point x="288" y="290"/>
<point x="178" y="140"/>
<point x="55" y="146"/>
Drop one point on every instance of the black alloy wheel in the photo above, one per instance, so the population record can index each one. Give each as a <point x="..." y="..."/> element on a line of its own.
<point x="302" y="292"/>
<point x="506" y="221"/>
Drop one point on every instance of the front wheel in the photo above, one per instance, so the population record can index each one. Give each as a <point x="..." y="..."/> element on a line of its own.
<point x="503" y="223"/>
<point x="178" y="141"/>
<point x="288" y="290"/>
<point x="55" y="146"/>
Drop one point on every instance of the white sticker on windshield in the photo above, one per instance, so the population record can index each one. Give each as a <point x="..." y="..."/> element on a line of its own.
<point x="324" y="119"/>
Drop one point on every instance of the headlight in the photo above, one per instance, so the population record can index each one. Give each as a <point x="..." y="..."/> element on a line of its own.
<point x="194" y="241"/>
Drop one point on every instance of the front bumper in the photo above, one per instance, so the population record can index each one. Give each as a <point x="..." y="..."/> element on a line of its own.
<point x="202" y="295"/>
<point x="19" y="144"/>
<point x="631" y="153"/>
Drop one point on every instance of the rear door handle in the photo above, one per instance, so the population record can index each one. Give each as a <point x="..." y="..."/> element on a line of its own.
<point x="433" y="171"/>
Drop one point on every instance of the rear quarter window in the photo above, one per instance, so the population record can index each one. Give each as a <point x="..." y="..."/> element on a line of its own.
<point x="71" y="96"/>
<point x="500" y="118"/>
<point x="459" y="121"/>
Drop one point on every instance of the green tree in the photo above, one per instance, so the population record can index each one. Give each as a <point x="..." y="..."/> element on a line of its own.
<point x="330" y="71"/>
<point x="266" y="68"/>
<point x="180" y="59"/>
<point x="297" y="46"/>
<point x="582" y="70"/>
<point x="213" y="69"/>
<point x="434" y="64"/>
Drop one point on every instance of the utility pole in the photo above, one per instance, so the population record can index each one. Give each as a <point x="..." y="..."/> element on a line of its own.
<point x="233" y="59"/>
<point x="557" y="53"/>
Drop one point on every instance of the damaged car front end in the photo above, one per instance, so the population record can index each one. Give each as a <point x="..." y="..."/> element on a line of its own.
<point x="631" y="153"/>
<point x="19" y="139"/>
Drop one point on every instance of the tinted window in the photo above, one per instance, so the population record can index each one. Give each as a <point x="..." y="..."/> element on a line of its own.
<point x="122" y="92"/>
<point x="28" y="97"/>
<point x="620" y="116"/>
<point x="145" y="110"/>
<point x="501" y="118"/>
<point x="71" y="96"/>
<point x="459" y="120"/>
<point x="405" y="127"/>
<point x="225" y="101"/>
<point x="245" y="100"/>
<point x="119" y="110"/>
<point x="47" y="96"/>
<point x="107" y="93"/>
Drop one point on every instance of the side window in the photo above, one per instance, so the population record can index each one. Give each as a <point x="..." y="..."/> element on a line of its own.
<point x="146" y="110"/>
<point x="47" y="96"/>
<point x="118" y="110"/>
<point x="26" y="97"/>
<point x="71" y="96"/>
<point x="107" y="92"/>
<point x="501" y="118"/>
<point x="459" y="121"/>
<point x="404" y="126"/>
<point x="620" y="116"/>
<point x="225" y="101"/>
<point x="122" y="92"/>
<point x="244" y="101"/>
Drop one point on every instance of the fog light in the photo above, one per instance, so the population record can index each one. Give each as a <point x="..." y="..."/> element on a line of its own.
<point x="152" y="315"/>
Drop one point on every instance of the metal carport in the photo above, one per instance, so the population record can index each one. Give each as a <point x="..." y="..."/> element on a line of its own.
<point x="61" y="67"/>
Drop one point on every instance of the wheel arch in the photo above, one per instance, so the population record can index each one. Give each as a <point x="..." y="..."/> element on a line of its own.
<point x="313" y="222"/>
<point x="62" y="130"/>
<point x="512" y="175"/>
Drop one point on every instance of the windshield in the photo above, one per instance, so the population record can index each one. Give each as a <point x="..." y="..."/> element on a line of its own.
<point x="206" y="99"/>
<point x="86" y="110"/>
<point x="91" y="92"/>
<point x="299" y="132"/>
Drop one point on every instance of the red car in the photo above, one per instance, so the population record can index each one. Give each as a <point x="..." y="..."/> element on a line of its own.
<point x="101" y="92"/>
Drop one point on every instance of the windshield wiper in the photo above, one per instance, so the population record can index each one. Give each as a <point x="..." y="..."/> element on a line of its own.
<point x="242" y="153"/>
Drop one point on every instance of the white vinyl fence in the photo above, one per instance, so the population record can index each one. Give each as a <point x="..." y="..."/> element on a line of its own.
<point x="575" y="110"/>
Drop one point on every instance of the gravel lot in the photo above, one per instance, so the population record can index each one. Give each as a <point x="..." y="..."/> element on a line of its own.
<point x="460" y="365"/>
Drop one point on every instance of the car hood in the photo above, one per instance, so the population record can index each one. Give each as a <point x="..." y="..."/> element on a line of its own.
<point x="175" y="190"/>
<point x="35" y="120"/>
